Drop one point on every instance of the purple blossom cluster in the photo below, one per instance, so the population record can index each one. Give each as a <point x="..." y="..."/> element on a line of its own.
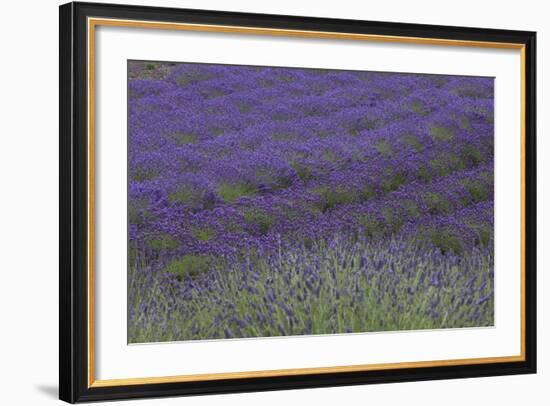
<point x="236" y="163"/>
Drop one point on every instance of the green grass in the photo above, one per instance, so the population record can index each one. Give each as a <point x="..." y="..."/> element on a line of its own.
<point x="472" y="154"/>
<point x="302" y="170"/>
<point x="444" y="239"/>
<point x="331" y="156"/>
<point x="184" y="195"/>
<point x="392" y="221"/>
<point x="436" y="203"/>
<point x="411" y="208"/>
<point x="371" y="226"/>
<point x="141" y="174"/>
<point x="162" y="242"/>
<point x="441" y="133"/>
<point x="203" y="234"/>
<point x="138" y="211"/>
<point x="361" y="124"/>
<point x="446" y="163"/>
<point x="367" y="193"/>
<point x="393" y="182"/>
<point x="182" y="138"/>
<point x="230" y="193"/>
<point x="189" y="266"/>
<point x="477" y="189"/>
<point x="244" y="107"/>
<point x="262" y="220"/>
<point x="413" y="141"/>
<point x="424" y="174"/>
<point x="419" y="108"/>
<point x="484" y="232"/>
<point x="465" y="123"/>
<point x="332" y="197"/>
<point x="190" y="77"/>
<point x="384" y="148"/>
<point x="283" y="136"/>
<point x="188" y="195"/>
<point x="217" y="131"/>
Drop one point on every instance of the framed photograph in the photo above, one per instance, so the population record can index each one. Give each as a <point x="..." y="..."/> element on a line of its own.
<point x="256" y="202"/>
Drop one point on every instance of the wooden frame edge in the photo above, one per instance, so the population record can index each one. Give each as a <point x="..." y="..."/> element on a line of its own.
<point x="76" y="387"/>
<point x="280" y="32"/>
<point x="302" y="371"/>
<point x="94" y="22"/>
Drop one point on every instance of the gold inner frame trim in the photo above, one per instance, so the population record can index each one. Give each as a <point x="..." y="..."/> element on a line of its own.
<point x="94" y="22"/>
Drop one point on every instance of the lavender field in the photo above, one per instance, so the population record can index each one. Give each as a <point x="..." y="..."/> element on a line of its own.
<point x="277" y="201"/>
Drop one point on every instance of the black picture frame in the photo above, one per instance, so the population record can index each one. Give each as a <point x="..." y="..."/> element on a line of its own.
<point x="74" y="383"/>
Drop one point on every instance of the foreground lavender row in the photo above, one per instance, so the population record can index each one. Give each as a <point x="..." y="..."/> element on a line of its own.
<point x="274" y="201"/>
<point x="337" y="286"/>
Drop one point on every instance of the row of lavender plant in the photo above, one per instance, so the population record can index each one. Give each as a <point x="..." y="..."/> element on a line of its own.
<point x="339" y="285"/>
